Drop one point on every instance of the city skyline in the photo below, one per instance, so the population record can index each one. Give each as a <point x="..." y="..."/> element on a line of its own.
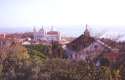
<point x="61" y="12"/>
<point x="67" y="16"/>
<point x="74" y="30"/>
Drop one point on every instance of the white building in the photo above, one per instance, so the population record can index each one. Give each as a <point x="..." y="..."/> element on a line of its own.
<point x="40" y="35"/>
<point x="49" y="36"/>
<point x="53" y="36"/>
<point x="26" y="43"/>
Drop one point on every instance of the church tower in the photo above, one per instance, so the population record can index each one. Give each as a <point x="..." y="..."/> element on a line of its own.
<point x="41" y="33"/>
<point x="34" y="34"/>
<point x="86" y="32"/>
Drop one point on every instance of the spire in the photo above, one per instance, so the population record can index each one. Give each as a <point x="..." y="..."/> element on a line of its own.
<point x="41" y="32"/>
<point x="51" y="28"/>
<point x="42" y="29"/>
<point x="86" y="32"/>
<point x="34" y="33"/>
<point x="86" y="26"/>
<point x="34" y="29"/>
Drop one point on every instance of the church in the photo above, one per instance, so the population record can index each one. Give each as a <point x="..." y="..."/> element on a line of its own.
<point x="49" y="36"/>
<point x="86" y="46"/>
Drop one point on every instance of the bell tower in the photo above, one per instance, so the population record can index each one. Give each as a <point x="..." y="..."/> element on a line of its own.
<point x="34" y="34"/>
<point x="41" y="33"/>
<point x="86" y="32"/>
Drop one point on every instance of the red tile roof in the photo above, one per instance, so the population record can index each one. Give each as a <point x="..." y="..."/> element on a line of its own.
<point x="52" y="33"/>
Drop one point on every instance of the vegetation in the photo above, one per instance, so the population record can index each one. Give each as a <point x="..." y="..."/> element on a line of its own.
<point x="32" y="63"/>
<point x="37" y="52"/>
<point x="39" y="48"/>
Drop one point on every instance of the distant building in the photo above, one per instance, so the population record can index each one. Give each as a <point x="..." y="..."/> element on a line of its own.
<point x="6" y="42"/>
<point x="86" y="46"/>
<point x="53" y="36"/>
<point x="40" y="35"/>
<point x="26" y="43"/>
<point x="44" y="36"/>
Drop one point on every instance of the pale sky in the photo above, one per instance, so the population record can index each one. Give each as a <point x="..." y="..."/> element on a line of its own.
<point x="29" y="13"/>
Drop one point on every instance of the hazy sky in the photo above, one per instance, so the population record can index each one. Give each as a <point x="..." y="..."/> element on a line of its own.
<point x="29" y="13"/>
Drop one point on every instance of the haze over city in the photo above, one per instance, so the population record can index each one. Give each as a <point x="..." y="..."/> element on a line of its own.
<point x="65" y="15"/>
<point x="62" y="39"/>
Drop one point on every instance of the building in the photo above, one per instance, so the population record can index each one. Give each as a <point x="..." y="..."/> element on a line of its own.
<point x="6" y="41"/>
<point x="113" y="56"/>
<point x="40" y="35"/>
<point x="86" y="46"/>
<point x="53" y="36"/>
<point x="43" y="36"/>
<point x="26" y="43"/>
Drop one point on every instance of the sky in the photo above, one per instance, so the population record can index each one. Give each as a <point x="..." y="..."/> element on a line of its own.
<point x="69" y="16"/>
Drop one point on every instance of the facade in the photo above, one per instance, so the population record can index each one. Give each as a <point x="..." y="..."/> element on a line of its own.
<point x="92" y="51"/>
<point x="86" y="46"/>
<point x="53" y="36"/>
<point x="40" y="35"/>
<point x="43" y="36"/>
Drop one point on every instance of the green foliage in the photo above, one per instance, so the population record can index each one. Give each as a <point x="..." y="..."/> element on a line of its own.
<point x="18" y="52"/>
<point x="57" y="50"/>
<point x="19" y="65"/>
<point x="104" y="73"/>
<point x="52" y="69"/>
<point x="1" y="73"/>
<point x="37" y="56"/>
<point x="60" y="69"/>
<point x="37" y="53"/>
<point x="40" y="48"/>
<point x="122" y="71"/>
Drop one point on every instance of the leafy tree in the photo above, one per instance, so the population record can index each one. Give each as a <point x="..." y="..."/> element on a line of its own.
<point x="56" y="50"/>
<point x="19" y="52"/>
<point x="60" y="69"/>
<point x="37" y="53"/>
<point x="122" y="71"/>
<point x="37" y="56"/>
<point x="1" y="73"/>
<point x="20" y="64"/>
<point x="104" y="73"/>
<point x="40" y="48"/>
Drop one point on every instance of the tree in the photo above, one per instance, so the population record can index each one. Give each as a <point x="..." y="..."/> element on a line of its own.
<point x="37" y="53"/>
<point x="56" y="50"/>
<point x="19" y="52"/>
<point x="104" y="73"/>
<point x="61" y="69"/>
<point x="37" y="56"/>
<point x="43" y="49"/>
